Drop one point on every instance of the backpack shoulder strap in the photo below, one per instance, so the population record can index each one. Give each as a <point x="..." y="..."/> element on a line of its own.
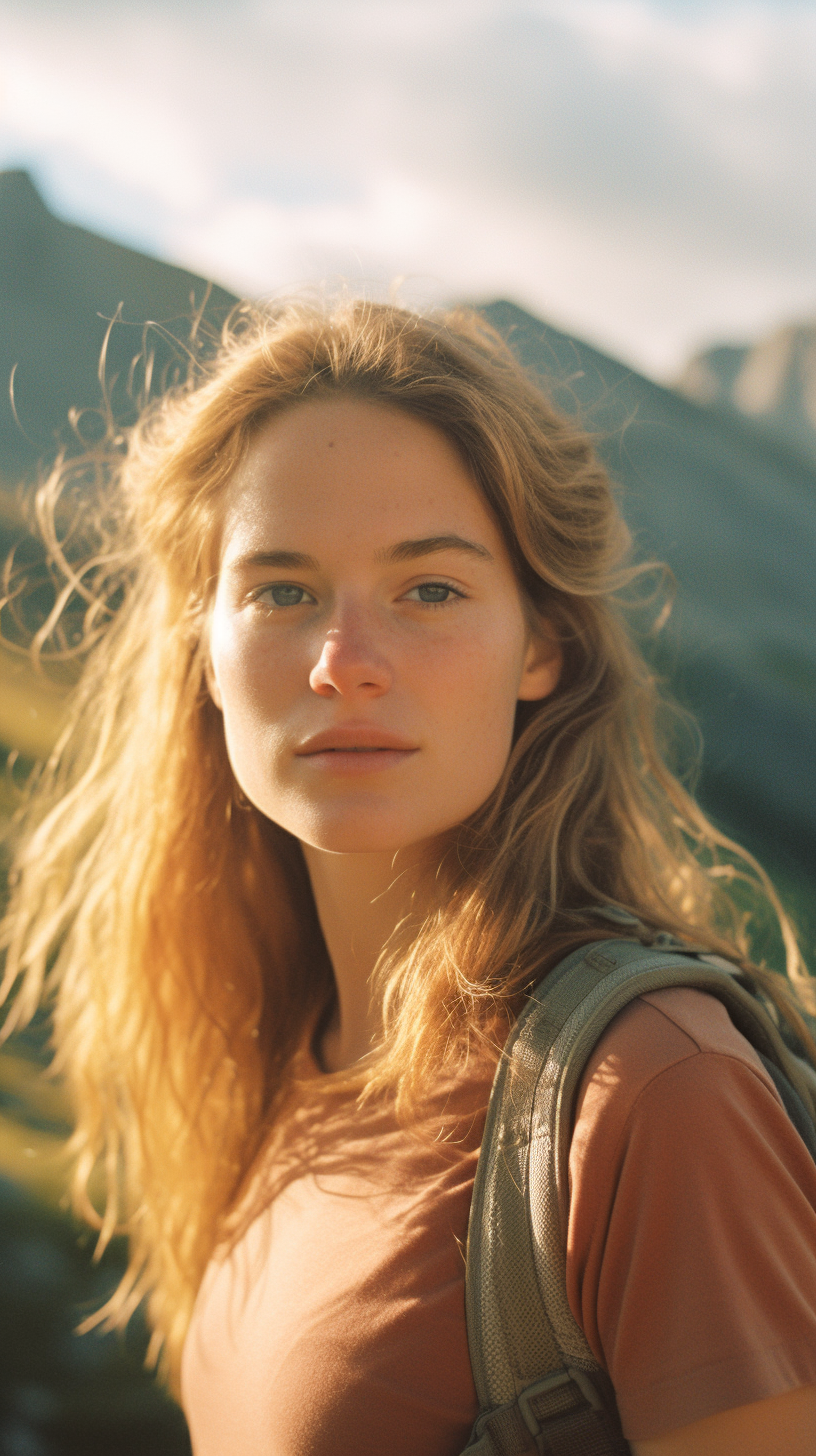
<point x="537" y="1381"/>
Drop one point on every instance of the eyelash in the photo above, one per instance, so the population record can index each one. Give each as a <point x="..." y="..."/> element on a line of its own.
<point x="258" y="595"/>
<point x="442" y="585"/>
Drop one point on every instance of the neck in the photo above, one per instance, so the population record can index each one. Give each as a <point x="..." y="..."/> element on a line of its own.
<point x="360" y="900"/>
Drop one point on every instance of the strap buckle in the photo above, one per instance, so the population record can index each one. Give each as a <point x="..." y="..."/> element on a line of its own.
<point x="553" y="1382"/>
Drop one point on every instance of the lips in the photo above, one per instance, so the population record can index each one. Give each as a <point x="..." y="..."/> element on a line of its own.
<point x="354" y="738"/>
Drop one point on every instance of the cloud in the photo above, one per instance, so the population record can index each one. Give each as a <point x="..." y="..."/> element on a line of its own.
<point x="639" y="172"/>
<point x="66" y="92"/>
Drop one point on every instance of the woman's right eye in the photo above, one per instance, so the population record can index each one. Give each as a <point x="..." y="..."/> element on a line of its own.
<point x="284" y="594"/>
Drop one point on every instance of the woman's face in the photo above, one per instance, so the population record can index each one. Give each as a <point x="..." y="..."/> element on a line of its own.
<point x="368" y="643"/>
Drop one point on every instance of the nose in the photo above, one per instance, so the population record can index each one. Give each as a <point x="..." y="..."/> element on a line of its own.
<point x="351" y="661"/>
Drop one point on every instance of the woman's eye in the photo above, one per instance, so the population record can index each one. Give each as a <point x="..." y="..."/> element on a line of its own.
<point x="284" y="594"/>
<point x="434" y="592"/>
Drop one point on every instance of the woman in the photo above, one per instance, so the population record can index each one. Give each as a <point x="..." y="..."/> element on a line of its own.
<point x="360" y="755"/>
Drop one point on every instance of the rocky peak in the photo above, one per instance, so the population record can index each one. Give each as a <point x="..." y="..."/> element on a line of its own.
<point x="771" y="383"/>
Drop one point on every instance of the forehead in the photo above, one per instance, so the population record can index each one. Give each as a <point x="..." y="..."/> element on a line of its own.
<point x="346" y="470"/>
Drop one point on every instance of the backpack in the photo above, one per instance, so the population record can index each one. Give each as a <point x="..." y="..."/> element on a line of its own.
<point x="539" y="1386"/>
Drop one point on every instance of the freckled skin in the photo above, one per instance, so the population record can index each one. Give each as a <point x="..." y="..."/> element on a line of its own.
<point x="352" y="640"/>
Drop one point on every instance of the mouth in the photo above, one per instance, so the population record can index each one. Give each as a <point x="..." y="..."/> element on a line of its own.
<point x="356" y="749"/>
<point x="355" y="740"/>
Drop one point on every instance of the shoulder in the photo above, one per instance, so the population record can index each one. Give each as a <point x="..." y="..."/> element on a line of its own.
<point x="691" y="1260"/>
<point x="665" y="1028"/>
<point x="656" y="1053"/>
<point x="680" y="1135"/>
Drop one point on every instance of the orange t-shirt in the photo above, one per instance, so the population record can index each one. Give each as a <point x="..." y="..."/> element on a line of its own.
<point x="336" y="1326"/>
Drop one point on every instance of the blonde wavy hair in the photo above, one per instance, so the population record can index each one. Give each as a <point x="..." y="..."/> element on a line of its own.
<point x="173" y="928"/>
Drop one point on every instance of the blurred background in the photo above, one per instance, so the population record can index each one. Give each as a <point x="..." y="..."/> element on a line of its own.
<point x="626" y="187"/>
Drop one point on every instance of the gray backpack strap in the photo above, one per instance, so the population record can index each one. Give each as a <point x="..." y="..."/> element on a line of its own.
<point x="539" y="1386"/>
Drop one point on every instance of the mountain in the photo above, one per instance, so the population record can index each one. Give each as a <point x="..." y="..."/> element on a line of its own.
<point x="59" y="287"/>
<point x="771" y="384"/>
<point x="730" y="510"/>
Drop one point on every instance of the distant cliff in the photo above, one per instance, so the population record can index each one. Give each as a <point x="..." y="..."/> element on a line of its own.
<point x="770" y="384"/>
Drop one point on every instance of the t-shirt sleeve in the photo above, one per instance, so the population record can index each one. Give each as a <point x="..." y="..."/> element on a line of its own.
<point x="692" y="1237"/>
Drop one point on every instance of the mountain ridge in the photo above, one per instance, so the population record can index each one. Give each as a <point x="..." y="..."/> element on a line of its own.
<point x="60" y="287"/>
<point x="732" y="512"/>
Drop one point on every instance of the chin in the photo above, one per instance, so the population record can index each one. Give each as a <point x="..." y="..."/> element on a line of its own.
<point x="357" y="838"/>
<point x="360" y="832"/>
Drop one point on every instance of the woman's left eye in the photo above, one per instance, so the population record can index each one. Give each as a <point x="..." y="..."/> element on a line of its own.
<point x="284" y="594"/>
<point x="435" y="593"/>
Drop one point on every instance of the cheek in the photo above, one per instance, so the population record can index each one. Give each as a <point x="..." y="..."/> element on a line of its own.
<point x="251" y="691"/>
<point x="231" y="659"/>
<point x="248" y="668"/>
<point x="472" y="699"/>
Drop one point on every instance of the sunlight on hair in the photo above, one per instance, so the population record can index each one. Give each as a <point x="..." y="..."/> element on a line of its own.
<point x="172" y="926"/>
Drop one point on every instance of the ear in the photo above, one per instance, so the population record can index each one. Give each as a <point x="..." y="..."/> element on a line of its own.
<point x="543" y="662"/>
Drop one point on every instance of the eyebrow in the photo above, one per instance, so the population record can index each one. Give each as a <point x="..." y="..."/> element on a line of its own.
<point x="427" y="545"/>
<point x="401" y="551"/>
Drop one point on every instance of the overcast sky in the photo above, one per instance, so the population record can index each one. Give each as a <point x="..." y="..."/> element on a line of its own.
<point x="640" y="172"/>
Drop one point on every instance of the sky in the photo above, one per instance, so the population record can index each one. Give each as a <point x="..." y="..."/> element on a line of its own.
<point x="639" y="172"/>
